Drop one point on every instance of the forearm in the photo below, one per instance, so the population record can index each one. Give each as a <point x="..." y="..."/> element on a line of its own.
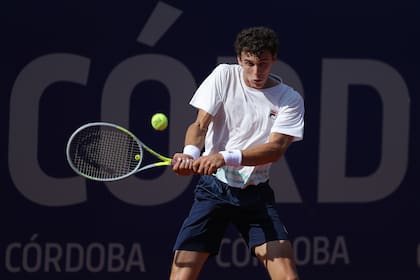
<point x="262" y="154"/>
<point x="195" y="135"/>
<point x="196" y="132"/>
<point x="268" y="152"/>
<point x="194" y="142"/>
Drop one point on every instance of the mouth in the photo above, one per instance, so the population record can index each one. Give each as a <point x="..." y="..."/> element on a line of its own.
<point x="258" y="81"/>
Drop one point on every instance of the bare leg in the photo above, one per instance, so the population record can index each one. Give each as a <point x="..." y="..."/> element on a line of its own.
<point x="277" y="257"/>
<point x="187" y="265"/>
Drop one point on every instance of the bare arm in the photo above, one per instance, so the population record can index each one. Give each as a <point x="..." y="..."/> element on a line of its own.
<point x="195" y="135"/>
<point x="269" y="152"/>
<point x="196" y="132"/>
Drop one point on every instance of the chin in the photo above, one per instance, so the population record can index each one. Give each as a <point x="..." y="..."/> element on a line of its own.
<point x="258" y="85"/>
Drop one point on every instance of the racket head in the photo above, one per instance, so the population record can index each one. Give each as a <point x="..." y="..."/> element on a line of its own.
<point x="103" y="151"/>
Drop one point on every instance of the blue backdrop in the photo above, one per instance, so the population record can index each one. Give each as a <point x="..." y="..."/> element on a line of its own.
<point x="348" y="193"/>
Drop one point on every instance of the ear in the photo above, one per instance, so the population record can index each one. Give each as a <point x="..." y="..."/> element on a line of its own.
<point x="238" y="58"/>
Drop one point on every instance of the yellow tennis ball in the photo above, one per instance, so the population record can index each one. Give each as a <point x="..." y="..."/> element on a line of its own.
<point x="159" y="121"/>
<point x="137" y="157"/>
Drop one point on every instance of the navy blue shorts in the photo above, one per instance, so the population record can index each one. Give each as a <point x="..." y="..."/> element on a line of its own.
<point x="216" y="205"/>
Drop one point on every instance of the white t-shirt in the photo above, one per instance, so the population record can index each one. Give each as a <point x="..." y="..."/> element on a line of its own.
<point x="244" y="117"/>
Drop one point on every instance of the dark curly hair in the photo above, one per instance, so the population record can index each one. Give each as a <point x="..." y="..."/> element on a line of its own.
<point x="256" y="40"/>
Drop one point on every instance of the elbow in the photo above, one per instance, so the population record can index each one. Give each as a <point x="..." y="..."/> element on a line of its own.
<point x="278" y="152"/>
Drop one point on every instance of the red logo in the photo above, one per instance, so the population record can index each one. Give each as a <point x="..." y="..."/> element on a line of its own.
<point x="273" y="114"/>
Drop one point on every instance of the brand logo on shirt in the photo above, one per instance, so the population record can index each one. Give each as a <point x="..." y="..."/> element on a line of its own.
<point x="273" y="114"/>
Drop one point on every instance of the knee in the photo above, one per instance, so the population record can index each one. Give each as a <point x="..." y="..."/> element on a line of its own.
<point x="180" y="272"/>
<point x="187" y="265"/>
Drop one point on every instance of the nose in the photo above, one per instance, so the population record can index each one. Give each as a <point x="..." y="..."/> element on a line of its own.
<point x="257" y="70"/>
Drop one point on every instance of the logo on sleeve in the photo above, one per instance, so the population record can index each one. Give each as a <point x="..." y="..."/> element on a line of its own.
<point x="273" y="114"/>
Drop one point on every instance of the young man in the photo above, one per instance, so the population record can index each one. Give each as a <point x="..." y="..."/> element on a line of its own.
<point x="246" y="120"/>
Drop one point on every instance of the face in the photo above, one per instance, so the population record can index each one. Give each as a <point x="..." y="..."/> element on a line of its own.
<point x="257" y="69"/>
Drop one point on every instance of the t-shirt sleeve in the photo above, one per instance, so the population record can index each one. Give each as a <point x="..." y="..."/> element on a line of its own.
<point x="290" y="119"/>
<point x="208" y="96"/>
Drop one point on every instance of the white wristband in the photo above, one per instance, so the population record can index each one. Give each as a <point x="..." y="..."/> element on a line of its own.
<point x="233" y="157"/>
<point x="192" y="150"/>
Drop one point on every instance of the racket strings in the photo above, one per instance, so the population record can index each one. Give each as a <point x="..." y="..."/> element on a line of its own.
<point x="105" y="152"/>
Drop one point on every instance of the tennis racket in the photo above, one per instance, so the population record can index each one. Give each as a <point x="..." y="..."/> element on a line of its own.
<point x="104" y="151"/>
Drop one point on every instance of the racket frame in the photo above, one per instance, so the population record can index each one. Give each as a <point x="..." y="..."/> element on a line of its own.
<point x="164" y="161"/>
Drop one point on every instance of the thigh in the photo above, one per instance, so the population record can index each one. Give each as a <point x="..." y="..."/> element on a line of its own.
<point x="187" y="264"/>
<point x="277" y="257"/>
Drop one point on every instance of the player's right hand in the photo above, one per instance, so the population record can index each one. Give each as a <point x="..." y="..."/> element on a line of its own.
<point x="182" y="164"/>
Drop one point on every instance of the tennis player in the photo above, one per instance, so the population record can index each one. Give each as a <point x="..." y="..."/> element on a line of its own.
<point x="246" y="120"/>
